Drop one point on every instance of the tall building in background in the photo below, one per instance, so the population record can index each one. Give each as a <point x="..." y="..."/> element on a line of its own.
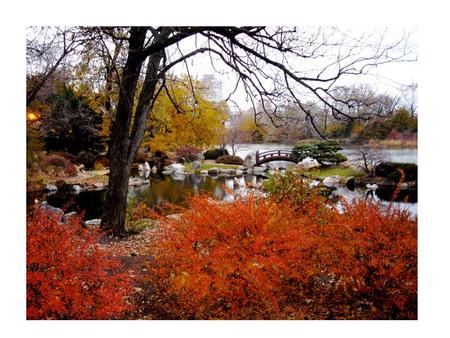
<point x="213" y="88"/>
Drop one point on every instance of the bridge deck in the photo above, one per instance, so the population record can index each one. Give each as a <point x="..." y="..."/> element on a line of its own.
<point x="273" y="155"/>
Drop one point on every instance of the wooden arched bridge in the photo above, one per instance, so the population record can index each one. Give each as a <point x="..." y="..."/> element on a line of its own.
<point x="273" y="155"/>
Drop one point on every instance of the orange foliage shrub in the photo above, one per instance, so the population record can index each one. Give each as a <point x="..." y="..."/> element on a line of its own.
<point x="68" y="275"/>
<point x="266" y="259"/>
<point x="142" y="210"/>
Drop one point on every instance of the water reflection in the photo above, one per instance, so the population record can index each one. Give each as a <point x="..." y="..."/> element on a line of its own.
<point x="406" y="199"/>
<point x="167" y="189"/>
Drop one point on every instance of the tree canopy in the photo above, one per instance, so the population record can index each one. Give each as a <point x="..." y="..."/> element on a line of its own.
<point x="183" y="116"/>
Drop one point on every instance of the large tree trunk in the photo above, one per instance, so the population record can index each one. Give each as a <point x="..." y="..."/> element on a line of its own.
<point x="126" y="137"/>
<point x="116" y="200"/>
<point x="120" y="160"/>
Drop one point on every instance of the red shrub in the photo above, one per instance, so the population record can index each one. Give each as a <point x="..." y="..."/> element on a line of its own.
<point x="187" y="154"/>
<point x="103" y="160"/>
<point x="365" y="259"/>
<point x="229" y="159"/>
<point x="68" y="275"/>
<point x="61" y="164"/>
<point x="57" y="160"/>
<point x="142" y="210"/>
<point x="260" y="259"/>
<point x="226" y="260"/>
<point x="71" y="170"/>
<point x="140" y="157"/>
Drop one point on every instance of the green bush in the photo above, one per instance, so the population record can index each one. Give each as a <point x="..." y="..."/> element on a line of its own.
<point x="87" y="159"/>
<point x="213" y="154"/>
<point x="402" y="121"/>
<point x="71" y="124"/>
<point x="326" y="153"/>
<point x="391" y="171"/>
<point x="291" y="187"/>
<point x="35" y="150"/>
<point x="229" y="159"/>
<point x="380" y="129"/>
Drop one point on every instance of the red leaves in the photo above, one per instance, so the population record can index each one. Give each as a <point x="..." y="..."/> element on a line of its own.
<point x="230" y="255"/>
<point x="255" y="259"/>
<point x="68" y="275"/>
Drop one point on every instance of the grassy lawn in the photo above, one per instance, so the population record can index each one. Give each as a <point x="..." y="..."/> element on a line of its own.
<point x="330" y="171"/>
<point x="209" y="164"/>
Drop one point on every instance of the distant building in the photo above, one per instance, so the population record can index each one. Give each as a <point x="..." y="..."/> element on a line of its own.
<point x="213" y="90"/>
<point x="226" y="124"/>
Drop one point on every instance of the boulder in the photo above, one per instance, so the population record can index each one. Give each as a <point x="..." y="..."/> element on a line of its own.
<point x="57" y="211"/>
<point x="67" y="216"/>
<point x="226" y="171"/>
<point x="178" y="176"/>
<point x="50" y="187"/>
<point x="141" y="167"/>
<point x="154" y="169"/>
<point x="331" y="181"/>
<point x="404" y="186"/>
<point x="196" y="165"/>
<point x="239" y="182"/>
<point x="80" y="168"/>
<point x="372" y="187"/>
<point x="174" y="167"/>
<point x="250" y="160"/>
<point x="136" y="182"/>
<point x="93" y="222"/>
<point x="167" y="172"/>
<point x="308" y="163"/>
<point x="146" y="166"/>
<point x="99" y="185"/>
<point x="213" y="171"/>
<point x="203" y="172"/>
<point x="175" y="217"/>
<point x="76" y="189"/>
<point x="257" y="169"/>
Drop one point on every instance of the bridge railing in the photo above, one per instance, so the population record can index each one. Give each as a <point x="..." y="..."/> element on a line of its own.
<point x="282" y="151"/>
<point x="266" y="156"/>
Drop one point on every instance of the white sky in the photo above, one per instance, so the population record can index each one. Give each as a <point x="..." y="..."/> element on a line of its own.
<point x="387" y="78"/>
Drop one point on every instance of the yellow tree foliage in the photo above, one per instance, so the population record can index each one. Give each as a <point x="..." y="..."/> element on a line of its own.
<point x="248" y="126"/>
<point x="185" y="117"/>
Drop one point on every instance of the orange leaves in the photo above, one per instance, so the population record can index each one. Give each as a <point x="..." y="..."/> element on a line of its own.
<point x="142" y="210"/>
<point x="228" y="252"/>
<point x="256" y="258"/>
<point x="68" y="275"/>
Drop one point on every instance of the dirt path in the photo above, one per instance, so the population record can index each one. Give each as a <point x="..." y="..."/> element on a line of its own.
<point x="136" y="254"/>
<point x="87" y="177"/>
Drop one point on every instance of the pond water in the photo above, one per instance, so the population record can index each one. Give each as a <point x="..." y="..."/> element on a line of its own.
<point x="167" y="189"/>
<point x="162" y="189"/>
<point x="394" y="155"/>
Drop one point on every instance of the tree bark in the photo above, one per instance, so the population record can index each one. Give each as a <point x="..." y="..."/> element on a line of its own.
<point x="126" y="137"/>
<point x="120" y="162"/>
